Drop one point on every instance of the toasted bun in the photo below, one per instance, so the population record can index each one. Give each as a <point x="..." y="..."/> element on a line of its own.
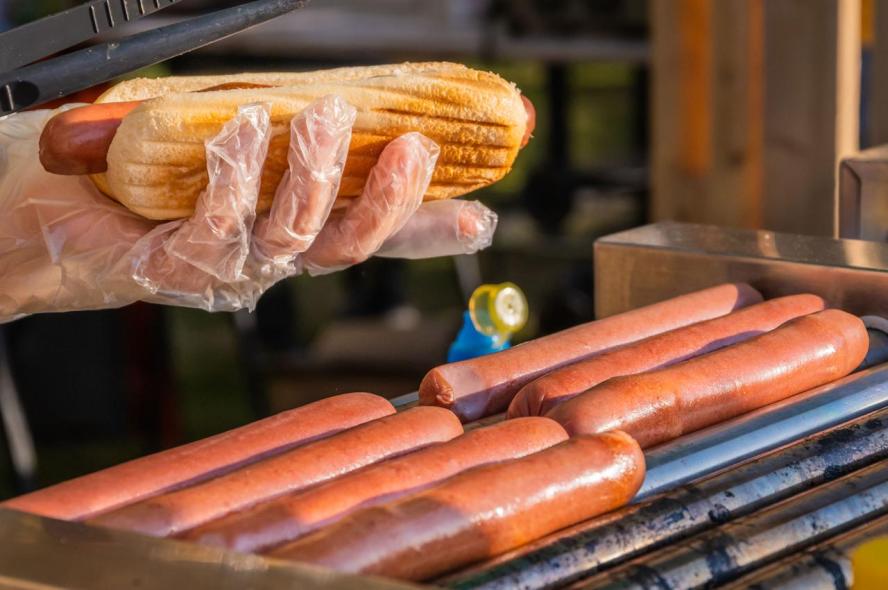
<point x="157" y="166"/>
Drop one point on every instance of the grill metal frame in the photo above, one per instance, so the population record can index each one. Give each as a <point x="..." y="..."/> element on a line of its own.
<point x="776" y="459"/>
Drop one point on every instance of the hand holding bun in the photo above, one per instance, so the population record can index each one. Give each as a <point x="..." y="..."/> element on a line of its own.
<point x="65" y="246"/>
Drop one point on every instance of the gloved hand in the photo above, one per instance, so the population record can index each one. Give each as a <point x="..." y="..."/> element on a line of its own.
<point x="65" y="246"/>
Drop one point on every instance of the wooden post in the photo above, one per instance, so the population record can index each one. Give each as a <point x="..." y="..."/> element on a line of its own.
<point x="812" y="109"/>
<point x="878" y="99"/>
<point x="706" y="112"/>
<point x="754" y="104"/>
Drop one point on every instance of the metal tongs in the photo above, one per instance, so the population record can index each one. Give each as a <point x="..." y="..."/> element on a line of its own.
<point x="23" y="86"/>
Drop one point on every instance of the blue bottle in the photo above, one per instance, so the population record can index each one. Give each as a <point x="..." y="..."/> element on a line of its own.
<point x="471" y="343"/>
<point x="496" y="312"/>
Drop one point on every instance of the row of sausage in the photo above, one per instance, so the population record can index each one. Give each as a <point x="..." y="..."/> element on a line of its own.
<point x="349" y="483"/>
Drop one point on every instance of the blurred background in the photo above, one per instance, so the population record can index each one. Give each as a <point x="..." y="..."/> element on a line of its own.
<point x="731" y="112"/>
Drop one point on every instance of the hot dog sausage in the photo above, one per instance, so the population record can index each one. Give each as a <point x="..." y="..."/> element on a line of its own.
<point x="544" y="393"/>
<point x="661" y="405"/>
<point x="276" y="522"/>
<point x="371" y="442"/>
<point x="133" y="481"/>
<point x="531" y="120"/>
<point x="77" y="141"/>
<point x="477" y="387"/>
<point x="480" y="513"/>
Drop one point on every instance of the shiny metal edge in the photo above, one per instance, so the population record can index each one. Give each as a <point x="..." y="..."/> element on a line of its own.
<point x="40" y="552"/>
<point x="727" y="444"/>
<point x="606" y="541"/>
<point x="800" y="572"/>
<point x="654" y="262"/>
<point x="402" y="402"/>
<point x="758" y="539"/>
<point x="728" y="241"/>
<point x="861" y="204"/>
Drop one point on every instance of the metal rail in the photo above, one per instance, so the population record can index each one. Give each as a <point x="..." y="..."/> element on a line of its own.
<point x="826" y="566"/>
<point x="723" y="445"/>
<point x="615" y="538"/>
<point x="736" y="548"/>
<point x="41" y="82"/>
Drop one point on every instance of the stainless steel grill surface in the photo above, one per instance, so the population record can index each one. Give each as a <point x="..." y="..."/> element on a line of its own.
<point x="777" y="498"/>
<point x="738" y="547"/>
<point x="593" y="546"/>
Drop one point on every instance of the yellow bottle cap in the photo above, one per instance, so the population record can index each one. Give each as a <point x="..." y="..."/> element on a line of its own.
<point x="869" y="562"/>
<point x="498" y="310"/>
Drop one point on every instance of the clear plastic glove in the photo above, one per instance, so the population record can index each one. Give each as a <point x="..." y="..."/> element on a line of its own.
<point x="65" y="246"/>
<point x="443" y="228"/>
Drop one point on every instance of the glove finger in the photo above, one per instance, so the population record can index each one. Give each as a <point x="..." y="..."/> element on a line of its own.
<point x="167" y="277"/>
<point x="319" y="140"/>
<point x="443" y="228"/>
<point x="392" y="194"/>
<point x="216" y="239"/>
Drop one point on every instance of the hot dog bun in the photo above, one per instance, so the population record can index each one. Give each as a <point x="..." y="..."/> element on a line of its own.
<point x="156" y="162"/>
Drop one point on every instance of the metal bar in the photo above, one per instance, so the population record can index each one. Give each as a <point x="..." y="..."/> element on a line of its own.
<point x="606" y="541"/>
<point x="14" y="424"/>
<point x="826" y="571"/>
<point x="823" y="571"/>
<point x="826" y="566"/>
<point x="707" y="451"/>
<point x="878" y="337"/>
<point x="861" y="203"/>
<point x="48" y="554"/>
<point x="65" y="29"/>
<point x="405" y="401"/>
<point x="44" y="81"/>
<point x="722" y="555"/>
<point x="652" y="263"/>
<point x="409" y="400"/>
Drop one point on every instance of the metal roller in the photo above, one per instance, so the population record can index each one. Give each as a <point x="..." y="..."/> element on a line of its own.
<point x="736" y="548"/>
<point x="826" y="567"/>
<point x="603" y="542"/>
<point x="822" y="571"/>
<point x="723" y="445"/>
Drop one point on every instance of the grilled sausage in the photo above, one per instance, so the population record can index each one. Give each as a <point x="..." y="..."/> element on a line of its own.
<point x="276" y="522"/>
<point x="661" y="405"/>
<point x="544" y="393"/>
<point x="481" y="386"/>
<point x="186" y="465"/>
<point x="77" y="141"/>
<point x="297" y="469"/>
<point x="531" y="120"/>
<point x="480" y="513"/>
